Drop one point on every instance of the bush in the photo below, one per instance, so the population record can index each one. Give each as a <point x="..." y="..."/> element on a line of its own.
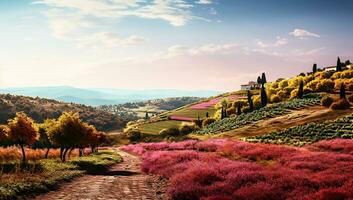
<point x="230" y="111"/>
<point x="325" y="85"/>
<point x="307" y="90"/>
<point x="245" y="109"/>
<point x="294" y="94"/>
<point x="186" y="128"/>
<point x="341" y="104"/>
<point x="327" y="101"/>
<point x="133" y="135"/>
<point x="275" y="99"/>
<point x="207" y="121"/>
<point x="282" y="94"/>
<point x="169" y="132"/>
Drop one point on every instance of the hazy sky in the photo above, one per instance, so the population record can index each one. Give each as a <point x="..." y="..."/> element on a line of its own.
<point x="179" y="44"/>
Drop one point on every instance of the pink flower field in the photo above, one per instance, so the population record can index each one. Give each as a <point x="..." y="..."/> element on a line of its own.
<point x="224" y="169"/>
<point x="212" y="102"/>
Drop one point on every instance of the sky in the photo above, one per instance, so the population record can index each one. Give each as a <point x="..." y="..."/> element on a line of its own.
<point x="168" y="44"/>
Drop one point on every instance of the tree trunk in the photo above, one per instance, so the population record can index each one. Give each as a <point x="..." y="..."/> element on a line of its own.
<point x="23" y="153"/>
<point x="61" y="153"/>
<point x="46" y="153"/>
<point x="65" y="152"/>
<point x="69" y="155"/>
<point x="92" y="149"/>
<point x="80" y="152"/>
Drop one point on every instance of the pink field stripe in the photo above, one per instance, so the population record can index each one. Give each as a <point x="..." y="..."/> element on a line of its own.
<point x="212" y="102"/>
<point x="179" y="118"/>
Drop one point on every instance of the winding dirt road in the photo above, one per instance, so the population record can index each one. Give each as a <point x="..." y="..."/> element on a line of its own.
<point x="124" y="181"/>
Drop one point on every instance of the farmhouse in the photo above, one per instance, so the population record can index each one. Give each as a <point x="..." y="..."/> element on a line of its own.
<point x="250" y="86"/>
<point x="330" y="68"/>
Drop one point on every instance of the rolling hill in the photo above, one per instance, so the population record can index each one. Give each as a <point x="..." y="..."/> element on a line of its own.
<point x="101" y="96"/>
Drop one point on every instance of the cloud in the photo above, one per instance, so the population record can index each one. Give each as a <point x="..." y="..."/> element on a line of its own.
<point x="213" y="11"/>
<point x="109" y="40"/>
<point x="303" y="34"/>
<point x="204" y="2"/>
<point x="175" y="12"/>
<point x="279" y="42"/>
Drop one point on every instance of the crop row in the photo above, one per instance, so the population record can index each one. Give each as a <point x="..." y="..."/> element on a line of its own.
<point x="310" y="133"/>
<point x="263" y="113"/>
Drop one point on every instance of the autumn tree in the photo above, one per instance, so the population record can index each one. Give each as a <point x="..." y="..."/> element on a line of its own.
<point x="22" y="131"/>
<point x="4" y="133"/>
<point x="67" y="133"/>
<point x="44" y="140"/>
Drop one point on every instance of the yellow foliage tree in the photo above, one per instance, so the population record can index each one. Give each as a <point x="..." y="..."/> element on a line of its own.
<point x="23" y="131"/>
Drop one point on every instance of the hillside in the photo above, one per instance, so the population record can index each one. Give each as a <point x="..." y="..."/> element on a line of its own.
<point x="40" y="109"/>
<point x="101" y="96"/>
<point x="152" y="107"/>
<point x="284" y="108"/>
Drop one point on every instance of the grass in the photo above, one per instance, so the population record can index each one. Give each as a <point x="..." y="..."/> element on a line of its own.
<point x="155" y="128"/>
<point x="194" y="113"/>
<point x="44" y="175"/>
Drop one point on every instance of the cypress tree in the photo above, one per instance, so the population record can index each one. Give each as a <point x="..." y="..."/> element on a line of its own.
<point x="146" y="116"/>
<point x="259" y="81"/>
<point x="222" y="113"/>
<point x="239" y="109"/>
<point x="263" y="96"/>
<point x="342" y="91"/>
<point x="314" y="68"/>
<point x="339" y="65"/>
<point x="250" y="102"/>
<point x="263" y="79"/>
<point x="301" y="90"/>
<point x="207" y="115"/>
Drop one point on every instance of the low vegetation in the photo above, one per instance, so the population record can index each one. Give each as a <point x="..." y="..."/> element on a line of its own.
<point x="27" y="179"/>
<point x="263" y="113"/>
<point x="221" y="169"/>
<point x="310" y="133"/>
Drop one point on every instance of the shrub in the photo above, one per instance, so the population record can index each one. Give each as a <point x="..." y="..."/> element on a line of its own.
<point x="246" y="109"/>
<point x="207" y="121"/>
<point x="186" y="128"/>
<point x="230" y="111"/>
<point x="282" y="94"/>
<point x="341" y="104"/>
<point x="325" y="85"/>
<point x="327" y="101"/>
<point x="294" y="94"/>
<point x="307" y="90"/>
<point x="134" y="135"/>
<point x="275" y="99"/>
<point x="169" y="132"/>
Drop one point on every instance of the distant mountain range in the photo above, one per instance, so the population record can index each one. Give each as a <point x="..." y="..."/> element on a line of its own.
<point x="96" y="97"/>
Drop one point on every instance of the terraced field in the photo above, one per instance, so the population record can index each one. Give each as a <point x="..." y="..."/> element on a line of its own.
<point x="156" y="127"/>
<point x="271" y="111"/>
<point x="310" y="133"/>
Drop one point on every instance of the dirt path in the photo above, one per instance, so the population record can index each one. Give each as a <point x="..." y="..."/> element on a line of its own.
<point x="122" y="181"/>
<point x="294" y="118"/>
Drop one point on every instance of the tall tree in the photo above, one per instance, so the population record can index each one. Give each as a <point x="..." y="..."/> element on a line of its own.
<point x="342" y="91"/>
<point x="23" y="131"/>
<point x="259" y="80"/>
<point x="263" y="79"/>
<point x="250" y="101"/>
<point x="339" y="65"/>
<point x="301" y="89"/>
<point x="263" y="96"/>
<point x="314" y="68"/>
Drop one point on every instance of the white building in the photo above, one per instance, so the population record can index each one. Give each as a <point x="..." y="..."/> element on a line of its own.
<point x="331" y="68"/>
<point x="250" y="86"/>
